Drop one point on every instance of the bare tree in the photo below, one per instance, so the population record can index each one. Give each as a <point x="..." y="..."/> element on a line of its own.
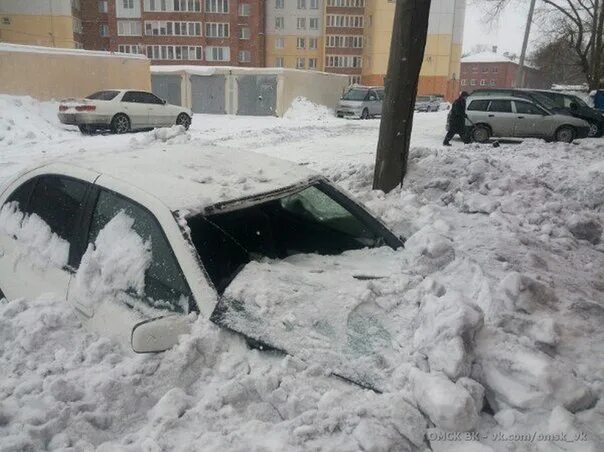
<point x="407" y="46"/>
<point x="580" y="23"/>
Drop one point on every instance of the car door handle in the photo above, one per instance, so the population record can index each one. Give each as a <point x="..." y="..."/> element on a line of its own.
<point x="491" y="116"/>
<point x="520" y="117"/>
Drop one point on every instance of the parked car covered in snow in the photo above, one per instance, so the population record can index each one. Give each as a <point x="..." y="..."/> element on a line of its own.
<point x="504" y="116"/>
<point x="428" y="103"/>
<point x="122" y="111"/>
<point x="361" y="102"/>
<point x="136" y="245"/>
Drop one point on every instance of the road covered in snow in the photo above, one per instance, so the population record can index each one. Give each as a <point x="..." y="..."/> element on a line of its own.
<point x="499" y="300"/>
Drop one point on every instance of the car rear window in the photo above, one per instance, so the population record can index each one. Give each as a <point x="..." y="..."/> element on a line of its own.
<point x="103" y="95"/>
<point x="478" y="105"/>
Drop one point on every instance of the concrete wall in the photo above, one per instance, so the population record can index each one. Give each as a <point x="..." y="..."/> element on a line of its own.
<point x="319" y="87"/>
<point x="46" y="73"/>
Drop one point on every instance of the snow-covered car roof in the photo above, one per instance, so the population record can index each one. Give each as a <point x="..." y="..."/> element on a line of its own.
<point x="185" y="177"/>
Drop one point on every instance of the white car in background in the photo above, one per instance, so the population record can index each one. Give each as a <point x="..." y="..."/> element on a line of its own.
<point x="136" y="244"/>
<point x="122" y="111"/>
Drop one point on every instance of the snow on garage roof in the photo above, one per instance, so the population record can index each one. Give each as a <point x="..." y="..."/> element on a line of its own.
<point x="185" y="177"/>
<point x="6" y="47"/>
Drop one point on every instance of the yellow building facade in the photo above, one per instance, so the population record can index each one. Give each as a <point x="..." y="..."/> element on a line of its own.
<point x="441" y="66"/>
<point x="50" y="23"/>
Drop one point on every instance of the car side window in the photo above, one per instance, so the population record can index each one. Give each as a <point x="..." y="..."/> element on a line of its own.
<point x="165" y="285"/>
<point x="132" y="96"/>
<point x="380" y="94"/>
<point x="150" y="98"/>
<point x="22" y="194"/>
<point x="372" y="95"/>
<point x="501" y="106"/>
<point x="478" y="105"/>
<point x="59" y="202"/>
<point x="527" y="109"/>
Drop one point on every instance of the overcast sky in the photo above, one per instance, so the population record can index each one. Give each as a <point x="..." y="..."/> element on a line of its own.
<point x="506" y="32"/>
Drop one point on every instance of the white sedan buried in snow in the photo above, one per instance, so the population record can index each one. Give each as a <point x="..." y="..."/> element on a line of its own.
<point x="122" y="111"/>
<point x="137" y="242"/>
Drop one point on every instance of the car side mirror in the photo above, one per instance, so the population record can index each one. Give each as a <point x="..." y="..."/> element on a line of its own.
<point x="159" y="334"/>
<point x="163" y="101"/>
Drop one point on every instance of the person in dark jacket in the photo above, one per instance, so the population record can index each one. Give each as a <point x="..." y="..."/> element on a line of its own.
<point x="457" y="120"/>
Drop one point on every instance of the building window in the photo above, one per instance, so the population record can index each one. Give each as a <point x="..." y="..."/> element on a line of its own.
<point x="312" y="43"/>
<point x="279" y="62"/>
<point x="354" y="79"/>
<point x="104" y="30"/>
<point x="173" y="5"/>
<point x="301" y="23"/>
<point x="244" y="33"/>
<point x="169" y="28"/>
<point x="279" y="43"/>
<point x="312" y="63"/>
<point x="472" y="82"/>
<point x="483" y="82"/>
<point x="128" y="4"/>
<point x="279" y="23"/>
<point x="344" y="21"/>
<point x="347" y="3"/>
<point x="279" y="4"/>
<point x="244" y="9"/>
<point x="492" y="83"/>
<point x="345" y="41"/>
<point x="313" y="23"/>
<point x="245" y="56"/>
<point x="314" y="4"/>
<point x="127" y="48"/>
<point x="300" y="63"/>
<point x="218" y="53"/>
<point x="217" y="6"/>
<point x="485" y="70"/>
<point x="191" y="53"/>
<point x="347" y="61"/>
<point x="494" y="70"/>
<point x="129" y="28"/>
<point x="301" y="4"/>
<point x="217" y="30"/>
<point x="463" y="82"/>
<point x="301" y="43"/>
<point x="77" y="25"/>
<point x="102" y="6"/>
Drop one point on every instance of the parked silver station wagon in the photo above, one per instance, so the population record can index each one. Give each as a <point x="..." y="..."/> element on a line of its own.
<point x="520" y="118"/>
<point x="361" y="102"/>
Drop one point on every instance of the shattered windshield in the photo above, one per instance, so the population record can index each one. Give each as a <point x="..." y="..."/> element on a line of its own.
<point x="313" y="220"/>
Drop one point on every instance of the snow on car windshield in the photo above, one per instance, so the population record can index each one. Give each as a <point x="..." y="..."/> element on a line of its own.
<point x="313" y="220"/>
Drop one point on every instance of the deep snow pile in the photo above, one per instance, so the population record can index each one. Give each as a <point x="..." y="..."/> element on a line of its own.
<point x="501" y="286"/>
<point x="302" y="109"/>
<point x="24" y="119"/>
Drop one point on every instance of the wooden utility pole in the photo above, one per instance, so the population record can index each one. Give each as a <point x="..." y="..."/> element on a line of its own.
<point x="406" y="56"/>
<point x="527" y="33"/>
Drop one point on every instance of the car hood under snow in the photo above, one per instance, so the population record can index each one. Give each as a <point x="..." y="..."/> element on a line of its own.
<point x="344" y="313"/>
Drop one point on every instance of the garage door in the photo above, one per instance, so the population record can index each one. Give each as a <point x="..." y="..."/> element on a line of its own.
<point x="167" y="87"/>
<point x="207" y="94"/>
<point x="257" y="95"/>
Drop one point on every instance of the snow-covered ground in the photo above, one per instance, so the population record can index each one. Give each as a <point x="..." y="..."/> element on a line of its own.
<point x="502" y="285"/>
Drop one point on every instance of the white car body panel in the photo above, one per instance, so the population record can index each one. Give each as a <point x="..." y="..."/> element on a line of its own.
<point x="141" y="115"/>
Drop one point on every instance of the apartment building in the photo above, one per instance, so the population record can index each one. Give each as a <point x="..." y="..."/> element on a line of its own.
<point x="51" y="23"/>
<point x="95" y="24"/>
<point x="440" y="71"/>
<point x="294" y="34"/>
<point x="345" y="23"/>
<point x="203" y="32"/>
